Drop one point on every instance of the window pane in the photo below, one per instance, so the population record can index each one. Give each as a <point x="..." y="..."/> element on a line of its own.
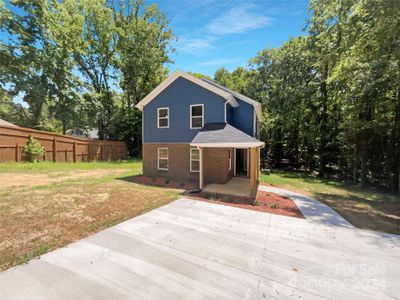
<point x="195" y="165"/>
<point x="163" y="163"/>
<point x="163" y="153"/>
<point x="195" y="154"/>
<point x="162" y="122"/>
<point x="197" y="122"/>
<point x="163" y="112"/>
<point x="197" y="111"/>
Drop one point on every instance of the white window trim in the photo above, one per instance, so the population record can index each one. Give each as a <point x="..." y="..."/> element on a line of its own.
<point x="230" y="159"/>
<point x="158" y="159"/>
<point x="158" y="117"/>
<point x="191" y="159"/>
<point x="202" y="116"/>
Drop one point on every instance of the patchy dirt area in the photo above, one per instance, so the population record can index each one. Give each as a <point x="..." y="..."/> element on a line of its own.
<point x="264" y="202"/>
<point x="33" y="179"/>
<point x="36" y="218"/>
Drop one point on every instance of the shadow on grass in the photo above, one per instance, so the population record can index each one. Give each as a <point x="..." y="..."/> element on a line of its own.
<point x="374" y="192"/>
<point x="377" y="215"/>
<point x="158" y="182"/>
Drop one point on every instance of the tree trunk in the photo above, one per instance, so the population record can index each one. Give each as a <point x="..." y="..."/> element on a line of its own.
<point x="355" y="164"/>
<point x="364" y="170"/>
<point x="324" y="123"/>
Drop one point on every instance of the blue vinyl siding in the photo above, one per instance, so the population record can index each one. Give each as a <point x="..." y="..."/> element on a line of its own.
<point x="178" y="97"/>
<point x="243" y="117"/>
<point x="229" y="110"/>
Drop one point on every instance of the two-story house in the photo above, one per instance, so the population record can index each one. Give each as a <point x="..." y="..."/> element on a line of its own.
<point x="195" y="130"/>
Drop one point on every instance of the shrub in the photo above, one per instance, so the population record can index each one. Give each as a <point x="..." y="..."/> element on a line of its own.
<point x="33" y="150"/>
<point x="255" y="202"/>
<point x="275" y="205"/>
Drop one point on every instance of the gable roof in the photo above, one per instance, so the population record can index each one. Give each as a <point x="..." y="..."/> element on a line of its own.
<point x="163" y="85"/>
<point x="254" y="103"/>
<point x="223" y="135"/>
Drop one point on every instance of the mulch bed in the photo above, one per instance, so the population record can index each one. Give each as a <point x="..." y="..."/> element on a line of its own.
<point x="265" y="202"/>
<point x="163" y="182"/>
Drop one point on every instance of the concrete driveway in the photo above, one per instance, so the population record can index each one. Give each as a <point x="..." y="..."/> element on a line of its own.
<point x="196" y="250"/>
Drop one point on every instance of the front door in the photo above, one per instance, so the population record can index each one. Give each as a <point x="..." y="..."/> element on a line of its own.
<point x="241" y="162"/>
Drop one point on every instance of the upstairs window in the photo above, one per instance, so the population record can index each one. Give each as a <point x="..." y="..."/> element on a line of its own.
<point x="163" y="117"/>
<point x="196" y="116"/>
<point x="194" y="160"/>
<point x="162" y="159"/>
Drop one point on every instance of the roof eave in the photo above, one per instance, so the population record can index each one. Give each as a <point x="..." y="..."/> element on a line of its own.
<point x="229" y="145"/>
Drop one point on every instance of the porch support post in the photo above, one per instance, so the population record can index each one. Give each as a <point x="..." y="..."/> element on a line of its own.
<point x="201" y="173"/>
<point x="253" y="171"/>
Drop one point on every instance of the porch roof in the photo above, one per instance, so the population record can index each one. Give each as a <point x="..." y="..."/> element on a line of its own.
<point x="221" y="135"/>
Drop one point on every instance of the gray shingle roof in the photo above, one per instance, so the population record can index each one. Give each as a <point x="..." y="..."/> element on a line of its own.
<point x="256" y="104"/>
<point x="223" y="134"/>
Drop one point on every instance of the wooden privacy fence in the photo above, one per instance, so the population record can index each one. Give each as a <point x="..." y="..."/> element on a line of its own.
<point x="59" y="148"/>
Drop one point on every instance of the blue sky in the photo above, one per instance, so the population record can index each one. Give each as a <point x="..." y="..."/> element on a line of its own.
<point x="222" y="33"/>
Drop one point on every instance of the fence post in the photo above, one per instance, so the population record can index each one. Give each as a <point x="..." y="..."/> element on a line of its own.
<point x="88" y="157"/>
<point x="66" y="154"/>
<point x="16" y="152"/>
<point x="74" y="151"/>
<point x="55" y="149"/>
<point x="102" y="151"/>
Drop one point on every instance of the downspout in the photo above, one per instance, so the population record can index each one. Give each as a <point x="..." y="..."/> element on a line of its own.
<point x="201" y="173"/>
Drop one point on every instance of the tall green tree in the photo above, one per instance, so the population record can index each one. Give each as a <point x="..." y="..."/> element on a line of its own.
<point x="142" y="49"/>
<point x="25" y="71"/>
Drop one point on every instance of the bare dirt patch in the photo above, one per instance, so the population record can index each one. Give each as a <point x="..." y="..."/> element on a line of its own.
<point x="9" y="179"/>
<point x="34" y="221"/>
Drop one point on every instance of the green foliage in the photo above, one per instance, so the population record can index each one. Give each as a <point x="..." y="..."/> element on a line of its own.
<point x="199" y="75"/>
<point x="33" y="150"/>
<point x="331" y="98"/>
<point x="79" y="64"/>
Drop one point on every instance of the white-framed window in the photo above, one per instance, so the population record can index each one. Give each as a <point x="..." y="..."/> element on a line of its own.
<point x="162" y="159"/>
<point x="163" y="117"/>
<point x="194" y="160"/>
<point x="230" y="158"/>
<point x="196" y="116"/>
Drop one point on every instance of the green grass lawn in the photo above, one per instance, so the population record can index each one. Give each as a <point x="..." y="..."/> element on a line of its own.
<point x="44" y="167"/>
<point x="366" y="208"/>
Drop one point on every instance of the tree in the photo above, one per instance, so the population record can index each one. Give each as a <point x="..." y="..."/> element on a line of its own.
<point x="199" y="75"/>
<point x="142" y="50"/>
<point x="25" y="70"/>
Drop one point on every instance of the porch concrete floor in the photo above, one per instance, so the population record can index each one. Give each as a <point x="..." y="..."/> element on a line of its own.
<point x="238" y="186"/>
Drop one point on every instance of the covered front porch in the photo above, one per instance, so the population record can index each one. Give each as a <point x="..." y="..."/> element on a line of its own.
<point x="229" y="160"/>
<point x="238" y="186"/>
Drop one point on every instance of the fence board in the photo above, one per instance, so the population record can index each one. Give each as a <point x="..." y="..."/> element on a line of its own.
<point x="60" y="148"/>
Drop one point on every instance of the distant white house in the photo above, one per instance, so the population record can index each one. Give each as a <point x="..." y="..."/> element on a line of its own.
<point x="90" y="134"/>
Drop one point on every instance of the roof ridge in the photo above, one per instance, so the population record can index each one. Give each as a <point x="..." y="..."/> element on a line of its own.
<point x="254" y="103"/>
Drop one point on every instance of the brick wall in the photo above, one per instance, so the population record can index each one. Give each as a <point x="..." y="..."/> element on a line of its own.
<point x="216" y="163"/>
<point x="179" y="162"/>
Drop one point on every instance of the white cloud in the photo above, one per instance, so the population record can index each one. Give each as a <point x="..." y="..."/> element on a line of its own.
<point x="216" y="62"/>
<point x="238" y="19"/>
<point x="195" y="45"/>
